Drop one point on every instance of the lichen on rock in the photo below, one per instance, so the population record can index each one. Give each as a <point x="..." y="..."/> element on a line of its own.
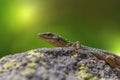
<point x="55" y="64"/>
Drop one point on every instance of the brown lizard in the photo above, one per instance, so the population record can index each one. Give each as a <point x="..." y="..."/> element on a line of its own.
<point x="57" y="41"/>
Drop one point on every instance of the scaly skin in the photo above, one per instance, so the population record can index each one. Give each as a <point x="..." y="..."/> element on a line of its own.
<point x="57" y="41"/>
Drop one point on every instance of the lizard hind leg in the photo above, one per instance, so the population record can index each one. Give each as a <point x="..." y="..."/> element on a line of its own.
<point x="76" y="45"/>
<point x="111" y="60"/>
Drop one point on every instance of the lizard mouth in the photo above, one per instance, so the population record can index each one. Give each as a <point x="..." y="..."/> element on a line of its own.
<point x="44" y="35"/>
<point x="41" y="34"/>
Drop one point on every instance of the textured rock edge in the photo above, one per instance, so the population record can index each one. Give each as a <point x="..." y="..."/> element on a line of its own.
<point x="40" y="63"/>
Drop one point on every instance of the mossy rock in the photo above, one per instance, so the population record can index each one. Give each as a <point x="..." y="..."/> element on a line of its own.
<point x="55" y="64"/>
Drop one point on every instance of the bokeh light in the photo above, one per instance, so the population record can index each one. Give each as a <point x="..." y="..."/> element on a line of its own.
<point x="22" y="15"/>
<point x="26" y="14"/>
<point x="93" y="23"/>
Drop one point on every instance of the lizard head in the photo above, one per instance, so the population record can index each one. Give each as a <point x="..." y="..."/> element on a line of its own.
<point x="53" y="39"/>
<point x="48" y="35"/>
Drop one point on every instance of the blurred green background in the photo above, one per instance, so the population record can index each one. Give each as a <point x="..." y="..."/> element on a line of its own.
<point x="94" y="23"/>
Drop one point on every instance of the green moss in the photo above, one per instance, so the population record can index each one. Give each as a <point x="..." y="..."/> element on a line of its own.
<point x="33" y="59"/>
<point x="33" y="56"/>
<point x="29" y="56"/>
<point x="32" y="53"/>
<point x="93" y="61"/>
<point x="102" y="79"/>
<point x="28" y="71"/>
<point x="9" y="64"/>
<point x="74" y="54"/>
<point x="32" y="64"/>
<point x="42" y="62"/>
<point x="1" y="70"/>
<point x="83" y="67"/>
<point x="43" y="68"/>
<point x="18" y="64"/>
<point x="93" y="78"/>
<point x="83" y="74"/>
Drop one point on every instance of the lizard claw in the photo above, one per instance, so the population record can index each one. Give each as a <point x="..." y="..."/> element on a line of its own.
<point x="76" y="45"/>
<point x="111" y="60"/>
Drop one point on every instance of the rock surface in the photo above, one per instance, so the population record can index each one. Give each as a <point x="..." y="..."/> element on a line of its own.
<point x="55" y="64"/>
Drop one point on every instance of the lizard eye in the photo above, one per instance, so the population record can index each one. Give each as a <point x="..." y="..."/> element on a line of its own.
<point x="55" y="37"/>
<point x="49" y="35"/>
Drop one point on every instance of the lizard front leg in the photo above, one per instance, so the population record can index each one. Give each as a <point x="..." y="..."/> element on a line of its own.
<point x="111" y="60"/>
<point x="76" y="45"/>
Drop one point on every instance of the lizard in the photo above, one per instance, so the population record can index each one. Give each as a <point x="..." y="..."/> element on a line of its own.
<point x="58" y="41"/>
